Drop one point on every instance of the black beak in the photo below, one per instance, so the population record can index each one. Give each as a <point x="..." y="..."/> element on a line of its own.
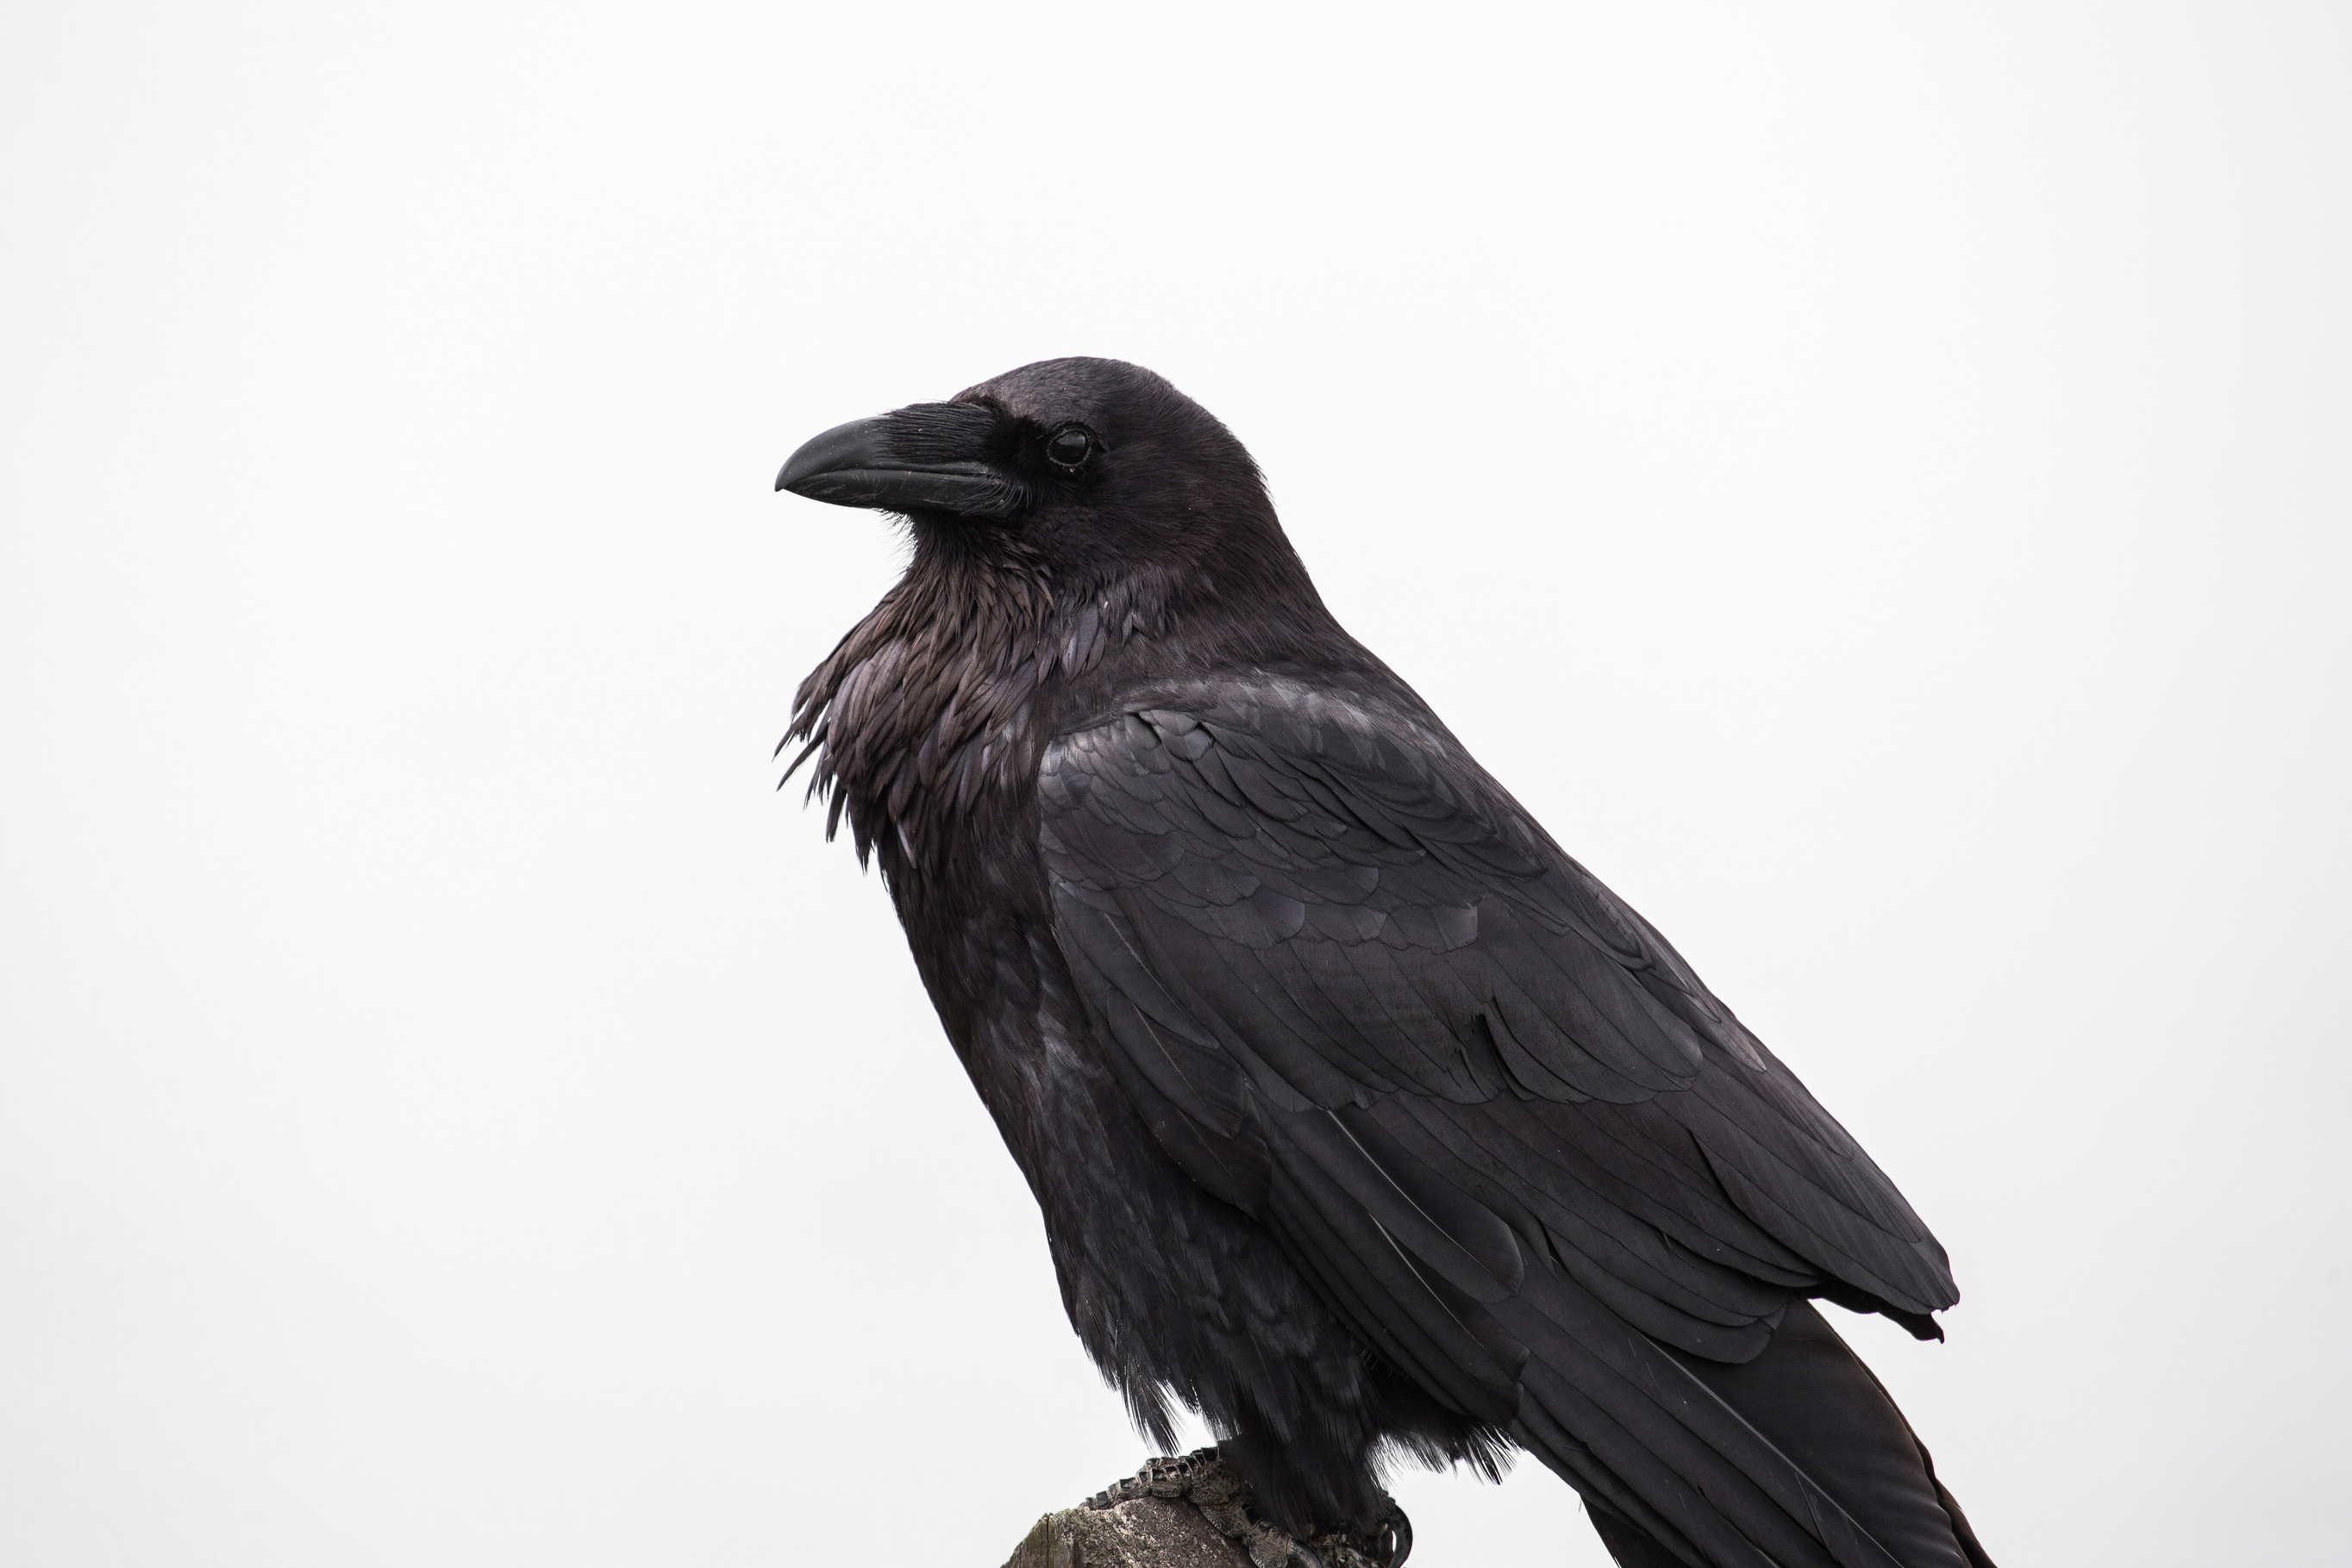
<point x="930" y="457"/>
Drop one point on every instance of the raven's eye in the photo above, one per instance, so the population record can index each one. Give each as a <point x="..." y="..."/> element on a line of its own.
<point x="1070" y="446"/>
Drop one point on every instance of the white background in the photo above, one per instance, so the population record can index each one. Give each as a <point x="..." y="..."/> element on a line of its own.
<point x="1875" y="482"/>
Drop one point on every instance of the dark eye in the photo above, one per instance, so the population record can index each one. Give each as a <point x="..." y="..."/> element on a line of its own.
<point x="1070" y="446"/>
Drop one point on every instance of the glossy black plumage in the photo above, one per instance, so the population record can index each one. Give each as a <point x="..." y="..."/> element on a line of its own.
<point x="1358" y="1113"/>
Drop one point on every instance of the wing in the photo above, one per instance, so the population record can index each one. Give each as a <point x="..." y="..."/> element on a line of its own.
<point x="1358" y="993"/>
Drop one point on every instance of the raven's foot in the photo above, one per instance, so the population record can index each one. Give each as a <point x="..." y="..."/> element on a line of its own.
<point x="1203" y="1478"/>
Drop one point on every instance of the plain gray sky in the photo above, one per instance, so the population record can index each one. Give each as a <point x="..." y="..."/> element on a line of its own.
<point x="1874" y="480"/>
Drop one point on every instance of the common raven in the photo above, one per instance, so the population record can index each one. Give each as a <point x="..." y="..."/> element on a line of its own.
<point x="1364" y="1121"/>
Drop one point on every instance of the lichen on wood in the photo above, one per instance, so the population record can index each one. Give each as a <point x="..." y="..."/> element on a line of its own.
<point x="1192" y="1512"/>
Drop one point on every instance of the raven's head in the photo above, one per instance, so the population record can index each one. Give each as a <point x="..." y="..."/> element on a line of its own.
<point x="1089" y="469"/>
<point x="1074" y="520"/>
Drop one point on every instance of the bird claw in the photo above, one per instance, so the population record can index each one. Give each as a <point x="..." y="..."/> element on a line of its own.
<point x="1180" y="1476"/>
<point x="1393" y="1536"/>
<point x="1203" y="1478"/>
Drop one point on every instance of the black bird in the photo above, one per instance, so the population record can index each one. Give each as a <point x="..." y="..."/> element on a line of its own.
<point x="1364" y="1121"/>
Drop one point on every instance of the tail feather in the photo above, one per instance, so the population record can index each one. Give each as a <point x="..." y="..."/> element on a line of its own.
<point x="1800" y="1455"/>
